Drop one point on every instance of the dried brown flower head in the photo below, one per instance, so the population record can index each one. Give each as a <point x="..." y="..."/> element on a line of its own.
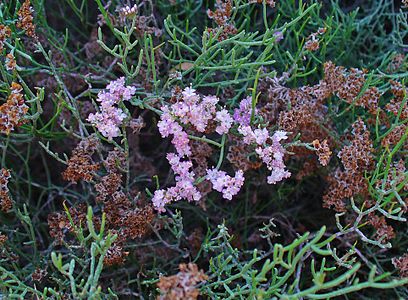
<point x="348" y="84"/>
<point x="3" y="239"/>
<point x="312" y="42"/>
<point x="182" y="285"/>
<point x="5" y="201"/>
<point x="383" y="231"/>
<point x="397" y="103"/>
<point x="5" y="33"/>
<point x="25" y="19"/>
<point x="323" y="151"/>
<point x="39" y="274"/>
<point x="81" y="165"/>
<point x="222" y="16"/>
<point x="136" y="223"/>
<point x="10" y="62"/>
<point x="394" y="136"/>
<point x="13" y="111"/>
<point x="59" y="223"/>
<point x="356" y="158"/>
<point x="115" y="256"/>
<point x="401" y="263"/>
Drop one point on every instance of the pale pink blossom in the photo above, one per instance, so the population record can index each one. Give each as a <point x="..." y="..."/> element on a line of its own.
<point x="225" y="121"/>
<point x="257" y="136"/>
<point x="272" y="156"/>
<point x="225" y="184"/>
<point x="110" y="117"/>
<point x="184" y="188"/>
<point x="108" y="121"/>
<point x="242" y="115"/>
<point x="168" y="126"/>
<point x="190" y="110"/>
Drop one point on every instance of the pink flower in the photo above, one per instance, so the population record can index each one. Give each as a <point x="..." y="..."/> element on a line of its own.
<point x="108" y="121"/>
<point x="191" y="110"/>
<point x="257" y="136"/>
<point x="168" y="126"/>
<point x="225" y="120"/>
<point x="184" y="188"/>
<point x="242" y="115"/>
<point x="110" y="118"/>
<point x="225" y="184"/>
<point x="272" y="156"/>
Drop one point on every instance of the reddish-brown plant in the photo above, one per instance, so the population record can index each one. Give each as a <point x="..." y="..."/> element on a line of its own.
<point x="25" y="19"/>
<point x="13" y="111"/>
<point x="80" y="165"/>
<point x="401" y="264"/>
<point x="5" y="201"/>
<point x="181" y="286"/>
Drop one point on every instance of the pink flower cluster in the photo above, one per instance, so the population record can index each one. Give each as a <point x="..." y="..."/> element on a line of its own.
<point x="110" y="117"/>
<point x="169" y="126"/>
<point x="192" y="110"/>
<point x="271" y="154"/>
<point x="242" y="114"/>
<point x="225" y="184"/>
<point x="184" y="188"/>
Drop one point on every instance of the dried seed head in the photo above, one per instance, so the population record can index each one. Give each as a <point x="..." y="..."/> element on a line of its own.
<point x="13" y="111"/>
<point x="323" y="151"/>
<point x="182" y="285"/>
<point x="25" y="19"/>
<point x="81" y="165"/>
<point x="5" y="33"/>
<point x="5" y="201"/>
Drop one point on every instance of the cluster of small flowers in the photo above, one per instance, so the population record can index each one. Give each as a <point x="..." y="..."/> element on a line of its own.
<point x="5" y="32"/>
<point x="190" y="109"/>
<point x="271" y="154"/>
<point x="80" y="165"/>
<point x="401" y="264"/>
<point x="13" y="111"/>
<point x="184" y="188"/>
<point x="111" y="117"/>
<point x="323" y="151"/>
<point x="225" y="184"/>
<point x="195" y="111"/>
<point x="222" y="16"/>
<point x="128" y="11"/>
<point x="183" y="285"/>
<point x="10" y="62"/>
<point x="242" y="114"/>
<point x="312" y="43"/>
<point x="5" y="201"/>
<point x="25" y="19"/>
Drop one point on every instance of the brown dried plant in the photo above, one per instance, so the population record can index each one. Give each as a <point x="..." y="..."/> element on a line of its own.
<point x="25" y="19"/>
<point x="181" y="286"/>
<point x="221" y="17"/>
<point x="401" y="264"/>
<point x="356" y="158"/>
<point x="5" y="33"/>
<point x="5" y="201"/>
<point x="13" y="111"/>
<point x="81" y="165"/>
